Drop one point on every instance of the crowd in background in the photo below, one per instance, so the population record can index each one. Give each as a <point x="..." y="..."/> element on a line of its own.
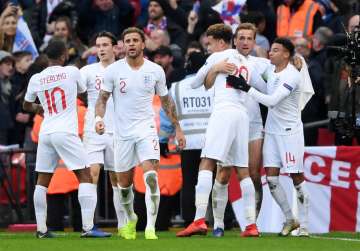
<point x="174" y="29"/>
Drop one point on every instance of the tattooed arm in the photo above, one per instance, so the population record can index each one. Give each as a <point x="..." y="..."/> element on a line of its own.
<point x="100" y="109"/>
<point x="169" y="107"/>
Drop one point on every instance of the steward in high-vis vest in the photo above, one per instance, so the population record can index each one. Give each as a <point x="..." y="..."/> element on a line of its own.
<point x="298" y="18"/>
<point x="193" y="108"/>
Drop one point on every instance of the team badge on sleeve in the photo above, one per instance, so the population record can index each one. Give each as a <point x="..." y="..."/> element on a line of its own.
<point x="287" y="86"/>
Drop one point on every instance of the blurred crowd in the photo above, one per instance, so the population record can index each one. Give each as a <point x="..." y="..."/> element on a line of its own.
<point x="174" y="28"/>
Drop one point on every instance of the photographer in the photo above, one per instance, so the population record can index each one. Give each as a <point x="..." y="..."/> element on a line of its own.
<point x="343" y="62"/>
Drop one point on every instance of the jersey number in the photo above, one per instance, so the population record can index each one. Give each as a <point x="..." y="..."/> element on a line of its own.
<point x="243" y="71"/>
<point x="50" y="100"/>
<point x="97" y="83"/>
<point x="122" y="86"/>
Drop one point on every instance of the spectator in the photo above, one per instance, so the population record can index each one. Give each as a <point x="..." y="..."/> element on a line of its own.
<point x="98" y="15"/>
<point x="44" y="14"/>
<point x="302" y="47"/>
<point x="7" y="101"/>
<point x="23" y="120"/>
<point x="334" y="13"/>
<point x="8" y="23"/>
<point x="353" y="22"/>
<point x="63" y="30"/>
<point x="164" y="57"/>
<point x="158" y="19"/>
<point x="159" y="38"/>
<point x="316" y="108"/>
<point x="298" y="18"/>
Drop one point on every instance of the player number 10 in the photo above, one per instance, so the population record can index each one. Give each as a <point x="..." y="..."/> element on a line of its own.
<point x="50" y="100"/>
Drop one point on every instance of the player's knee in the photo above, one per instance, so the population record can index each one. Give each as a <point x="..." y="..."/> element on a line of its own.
<point x="273" y="182"/>
<point x="151" y="181"/>
<point x="83" y="175"/>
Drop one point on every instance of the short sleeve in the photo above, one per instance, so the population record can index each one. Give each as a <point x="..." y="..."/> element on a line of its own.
<point x="204" y="70"/>
<point x="108" y="84"/>
<point x="81" y="86"/>
<point x="84" y="75"/>
<point x="31" y="93"/>
<point x="160" y="86"/>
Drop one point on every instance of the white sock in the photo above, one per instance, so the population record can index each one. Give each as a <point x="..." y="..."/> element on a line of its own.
<point x="248" y="194"/>
<point x="202" y="193"/>
<point x="40" y="206"/>
<point x="120" y="213"/>
<point x="152" y="198"/>
<point x="279" y="195"/>
<point x="303" y="204"/>
<point x="87" y="196"/>
<point x="127" y="201"/>
<point x="219" y="201"/>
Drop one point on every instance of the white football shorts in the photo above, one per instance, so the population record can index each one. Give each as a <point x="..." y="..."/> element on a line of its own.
<point x="131" y="152"/>
<point x="61" y="145"/>
<point x="226" y="138"/>
<point x="100" y="149"/>
<point x="284" y="151"/>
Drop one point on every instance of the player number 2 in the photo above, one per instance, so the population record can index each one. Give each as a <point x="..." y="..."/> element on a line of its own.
<point x="50" y="100"/>
<point x="122" y="86"/>
<point x="156" y="145"/>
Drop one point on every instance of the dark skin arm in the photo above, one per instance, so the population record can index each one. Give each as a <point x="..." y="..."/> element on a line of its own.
<point x="33" y="107"/>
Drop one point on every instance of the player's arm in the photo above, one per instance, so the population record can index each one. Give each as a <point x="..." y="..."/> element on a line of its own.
<point x="169" y="107"/>
<point x="200" y="76"/>
<point x="270" y="100"/>
<point x="221" y="67"/>
<point x="100" y="109"/>
<point x="29" y="104"/>
<point x="33" y="107"/>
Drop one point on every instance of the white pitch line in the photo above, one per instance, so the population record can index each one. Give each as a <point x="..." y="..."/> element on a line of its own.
<point x="335" y="238"/>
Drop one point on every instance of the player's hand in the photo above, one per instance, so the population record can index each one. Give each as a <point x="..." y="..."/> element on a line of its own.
<point x="100" y="127"/>
<point x="237" y="83"/>
<point x="297" y="62"/>
<point x="225" y="67"/>
<point x="180" y="138"/>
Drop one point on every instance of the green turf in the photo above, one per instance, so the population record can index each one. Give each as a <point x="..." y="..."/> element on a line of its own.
<point x="168" y="242"/>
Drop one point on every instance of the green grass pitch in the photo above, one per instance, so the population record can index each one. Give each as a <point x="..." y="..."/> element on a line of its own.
<point x="168" y="242"/>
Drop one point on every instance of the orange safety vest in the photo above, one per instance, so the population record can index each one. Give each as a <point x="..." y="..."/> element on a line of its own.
<point x="300" y="24"/>
<point x="169" y="176"/>
<point x="63" y="180"/>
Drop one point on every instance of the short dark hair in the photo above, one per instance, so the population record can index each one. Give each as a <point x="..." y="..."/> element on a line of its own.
<point x="21" y="54"/>
<point x="287" y="44"/>
<point x="220" y="31"/>
<point x="108" y="35"/>
<point x="163" y="51"/>
<point x="133" y="30"/>
<point x="56" y="49"/>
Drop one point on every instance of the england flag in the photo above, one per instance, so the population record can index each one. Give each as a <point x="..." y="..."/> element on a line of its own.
<point x="23" y="39"/>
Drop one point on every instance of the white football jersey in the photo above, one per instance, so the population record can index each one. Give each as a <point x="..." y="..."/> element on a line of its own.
<point x="225" y="95"/>
<point x="285" y="117"/>
<point x="93" y="76"/>
<point x="133" y="92"/>
<point x="57" y="88"/>
<point x="259" y="66"/>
